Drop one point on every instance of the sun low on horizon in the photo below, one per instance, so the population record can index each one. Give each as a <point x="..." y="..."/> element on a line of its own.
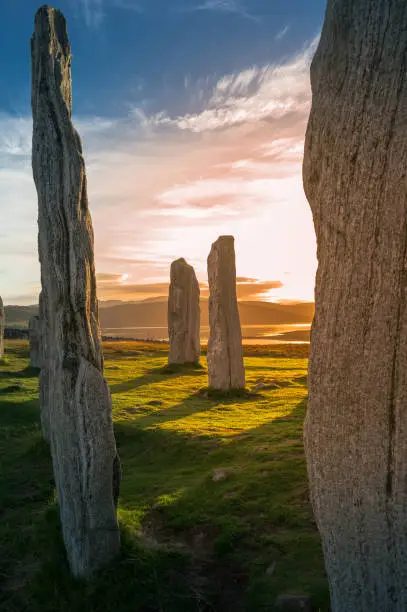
<point x="192" y="117"/>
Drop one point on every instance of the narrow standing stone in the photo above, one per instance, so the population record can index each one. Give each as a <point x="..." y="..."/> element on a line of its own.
<point x="2" y="326"/>
<point x="34" y="333"/>
<point x="45" y="369"/>
<point x="83" y="448"/>
<point x="183" y="314"/>
<point x="225" y="354"/>
<point x="355" y="179"/>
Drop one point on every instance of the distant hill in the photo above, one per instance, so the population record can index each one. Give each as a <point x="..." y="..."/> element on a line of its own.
<point x="153" y="312"/>
<point x="18" y="316"/>
<point x="298" y="335"/>
<point x="274" y="313"/>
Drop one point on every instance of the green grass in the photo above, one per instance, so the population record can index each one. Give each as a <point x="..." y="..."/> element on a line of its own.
<point x="213" y="509"/>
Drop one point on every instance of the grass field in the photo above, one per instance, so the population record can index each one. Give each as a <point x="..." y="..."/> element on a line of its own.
<point x="213" y="510"/>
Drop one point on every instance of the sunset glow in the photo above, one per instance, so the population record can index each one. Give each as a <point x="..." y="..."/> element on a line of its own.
<point x="165" y="184"/>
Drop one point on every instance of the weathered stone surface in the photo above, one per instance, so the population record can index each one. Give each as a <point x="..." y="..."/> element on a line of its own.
<point x="225" y="354"/>
<point x="44" y="380"/>
<point x="2" y="325"/>
<point x="34" y="332"/>
<point x="356" y="182"/>
<point x="183" y="314"/>
<point x="78" y="412"/>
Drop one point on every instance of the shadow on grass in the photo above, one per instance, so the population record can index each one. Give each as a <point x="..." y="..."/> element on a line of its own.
<point x="183" y="368"/>
<point x="229" y="396"/>
<point x="161" y="455"/>
<point x="28" y="372"/>
<point x="19" y="414"/>
<point x="156" y="375"/>
<point x="26" y="485"/>
<point x="301" y="380"/>
<point x="203" y="400"/>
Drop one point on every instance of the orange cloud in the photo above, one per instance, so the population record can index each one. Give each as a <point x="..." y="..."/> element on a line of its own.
<point x="111" y="286"/>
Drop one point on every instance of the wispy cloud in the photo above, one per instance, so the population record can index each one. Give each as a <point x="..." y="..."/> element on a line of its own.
<point x="255" y="289"/>
<point x="225" y="6"/>
<point x="280" y="35"/>
<point x="15" y="140"/>
<point x="256" y="94"/>
<point x="103" y="277"/>
<point x="94" y="10"/>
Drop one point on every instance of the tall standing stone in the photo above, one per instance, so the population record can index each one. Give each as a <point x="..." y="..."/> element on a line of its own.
<point x="34" y="334"/>
<point x="225" y="353"/>
<point x="2" y="325"/>
<point x="183" y="314"/>
<point x="355" y="178"/>
<point x="85" y="461"/>
<point x="44" y="378"/>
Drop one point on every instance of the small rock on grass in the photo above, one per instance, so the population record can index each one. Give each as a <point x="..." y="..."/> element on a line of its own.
<point x="219" y="474"/>
<point x="264" y="386"/>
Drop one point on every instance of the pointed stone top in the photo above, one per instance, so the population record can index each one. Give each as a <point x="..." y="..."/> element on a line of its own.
<point x="180" y="261"/>
<point x="51" y="55"/>
<point x="1" y="302"/>
<point x="49" y="24"/>
<point x="179" y="268"/>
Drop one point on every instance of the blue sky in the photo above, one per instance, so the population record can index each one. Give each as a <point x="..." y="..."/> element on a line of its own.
<point x="192" y="115"/>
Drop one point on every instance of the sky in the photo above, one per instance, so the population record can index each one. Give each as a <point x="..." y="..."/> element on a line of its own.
<point x="192" y="116"/>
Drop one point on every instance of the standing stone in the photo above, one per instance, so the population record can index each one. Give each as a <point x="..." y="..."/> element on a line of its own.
<point x="225" y="353"/>
<point x="85" y="461"/>
<point x="2" y="326"/>
<point x="45" y="370"/>
<point x="34" y="334"/>
<point x="355" y="178"/>
<point x="183" y="314"/>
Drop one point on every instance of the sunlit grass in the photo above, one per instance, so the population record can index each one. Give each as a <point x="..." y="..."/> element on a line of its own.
<point x="214" y="507"/>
